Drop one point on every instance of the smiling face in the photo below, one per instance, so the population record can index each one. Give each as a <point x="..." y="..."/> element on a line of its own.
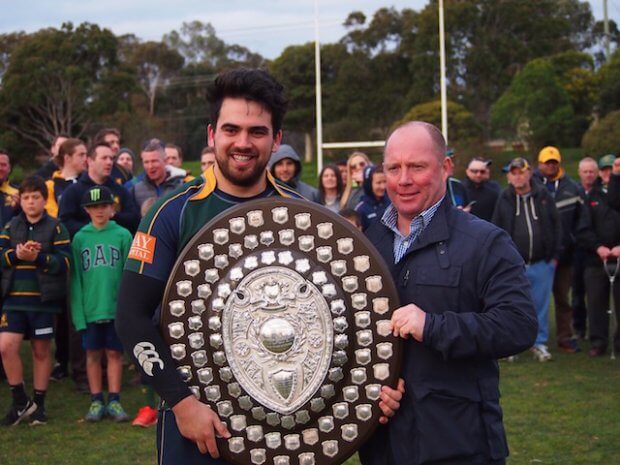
<point x="378" y="185"/>
<point x="328" y="179"/>
<point x="415" y="171"/>
<point x="243" y="139"/>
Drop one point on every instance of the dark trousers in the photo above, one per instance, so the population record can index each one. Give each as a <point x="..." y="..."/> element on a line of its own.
<point x="597" y="294"/>
<point x="580" y="314"/>
<point x="563" y="310"/>
<point x="69" y="350"/>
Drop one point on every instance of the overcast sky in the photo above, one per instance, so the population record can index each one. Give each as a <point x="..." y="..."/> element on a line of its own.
<point x="264" y="26"/>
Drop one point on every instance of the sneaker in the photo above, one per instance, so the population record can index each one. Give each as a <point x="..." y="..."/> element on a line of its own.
<point x="147" y="416"/>
<point x="569" y="346"/>
<point x="59" y="372"/>
<point x="38" y="417"/>
<point x="540" y="353"/>
<point x="115" y="411"/>
<point x="17" y="414"/>
<point x="95" y="411"/>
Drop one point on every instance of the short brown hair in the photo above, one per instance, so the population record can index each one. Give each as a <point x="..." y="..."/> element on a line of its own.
<point x="33" y="184"/>
<point x="177" y="148"/>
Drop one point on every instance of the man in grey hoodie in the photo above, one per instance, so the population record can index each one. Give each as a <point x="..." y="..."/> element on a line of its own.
<point x="285" y="166"/>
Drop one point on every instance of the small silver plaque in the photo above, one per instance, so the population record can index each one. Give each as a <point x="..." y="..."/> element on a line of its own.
<point x="302" y="417"/>
<point x="205" y="375"/>
<point x="199" y="358"/>
<point x="176" y="330"/>
<point x="380" y="305"/>
<point x="213" y="393"/>
<point x="196" y="340"/>
<point x="177" y="307"/>
<point x="359" y="301"/>
<point x="220" y="236"/>
<point x="364" y="337"/>
<point x="324" y="254"/>
<point x="374" y="284"/>
<point x="373" y="391"/>
<point x="306" y="243"/>
<point x="205" y="251"/>
<point x="194" y="323"/>
<point x="358" y="375"/>
<point x="254" y="433"/>
<point x="310" y="436"/>
<point x="363" y="412"/>
<point x="221" y="261"/>
<point x="250" y="242"/>
<point x="287" y="421"/>
<point x="381" y="371"/>
<point x="224" y="408"/>
<point x="258" y="413"/>
<point x="384" y="350"/>
<point x="273" y="440"/>
<point x="258" y="456"/>
<point x="325" y="230"/>
<point x="266" y="238"/>
<point x="255" y="218"/>
<point x="361" y="263"/>
<point x="350" y="393"/>
<point x="192" y="267"/>
<point x="330" y="448"/>
<point x="328" y="391"/>
<point x="362" y="319"/>
<point x="212" y="275"/>
<point x="337" y="306"/>
<point x="326" y="424"/>
<point x="237" y="225"/>
<point x="302" y="221"/>
<point x="184" y="288"/>
<point x="285" y="258"/>
<point x="339" y="267"/>
<point x="235" y="250"/>
<point x="287" y="237"/>
<point x="307" y="458"/>
<point x="349" y="283"/>
<point x="236" y="445"/>
<point x="349" y="432"/>
<point x="280" y="215"/>
<point x="363" y="356"/>
<point x="281" y="460"/>
<point x="292" y="442"/>
<point x="238" y="422"/>
<point x="178" y="351"/>
<point x="345" y="245"/>
<point x="340" y="410"/>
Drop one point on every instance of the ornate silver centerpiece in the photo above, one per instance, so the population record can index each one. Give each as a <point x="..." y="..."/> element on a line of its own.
<point x="277" y="314"/>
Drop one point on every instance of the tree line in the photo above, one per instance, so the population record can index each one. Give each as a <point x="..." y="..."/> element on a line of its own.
<point x="533" y="72"/>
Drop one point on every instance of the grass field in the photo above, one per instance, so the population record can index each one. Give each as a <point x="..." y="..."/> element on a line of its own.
<point x="566" y="411"/>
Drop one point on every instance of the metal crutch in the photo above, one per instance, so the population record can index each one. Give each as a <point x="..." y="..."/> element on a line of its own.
<point x="611" y="270"/>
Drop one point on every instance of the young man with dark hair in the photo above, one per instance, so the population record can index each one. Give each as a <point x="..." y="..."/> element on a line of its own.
<point x="112" y="137"/>
<point x="34" y="255"/>
<point x="100" y="162"/>
<point x="248" y="109"/>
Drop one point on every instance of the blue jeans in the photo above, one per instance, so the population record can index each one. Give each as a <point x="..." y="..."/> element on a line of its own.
<point x="540" y="275"/>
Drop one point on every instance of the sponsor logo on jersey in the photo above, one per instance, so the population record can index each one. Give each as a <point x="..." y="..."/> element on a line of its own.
<point x="147" y="357"/>
<point x="143" y="247"/>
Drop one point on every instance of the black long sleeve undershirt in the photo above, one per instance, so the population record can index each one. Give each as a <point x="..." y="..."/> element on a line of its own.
<point x="138" y="299"/>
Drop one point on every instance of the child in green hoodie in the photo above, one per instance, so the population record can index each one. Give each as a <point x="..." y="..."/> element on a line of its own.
<point x="99" y="249"/>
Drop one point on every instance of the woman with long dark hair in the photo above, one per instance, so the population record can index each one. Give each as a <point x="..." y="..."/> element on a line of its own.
<point x="330" y="187"/>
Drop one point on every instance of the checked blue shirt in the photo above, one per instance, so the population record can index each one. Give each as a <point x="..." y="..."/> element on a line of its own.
<point x="401" y="243"/>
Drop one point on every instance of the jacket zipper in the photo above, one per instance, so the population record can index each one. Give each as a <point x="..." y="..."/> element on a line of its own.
<point x="529" y="229"/>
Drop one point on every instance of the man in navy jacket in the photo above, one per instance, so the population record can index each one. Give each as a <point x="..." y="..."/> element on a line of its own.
<point x="466" y="303"/>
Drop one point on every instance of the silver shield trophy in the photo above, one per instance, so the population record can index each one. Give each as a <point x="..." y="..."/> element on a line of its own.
<point x="277" y="315"/>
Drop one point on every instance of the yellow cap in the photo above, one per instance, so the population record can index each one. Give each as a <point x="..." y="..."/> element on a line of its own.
<point x="549" y="154"/>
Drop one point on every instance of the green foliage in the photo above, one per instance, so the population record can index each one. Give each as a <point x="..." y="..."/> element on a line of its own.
<point x="604" y="136"/>
<point x="58" y="79"/>
<point x="609" y="99"/>
<point x="536" y="107"/>
<point x="463" y="131"/>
